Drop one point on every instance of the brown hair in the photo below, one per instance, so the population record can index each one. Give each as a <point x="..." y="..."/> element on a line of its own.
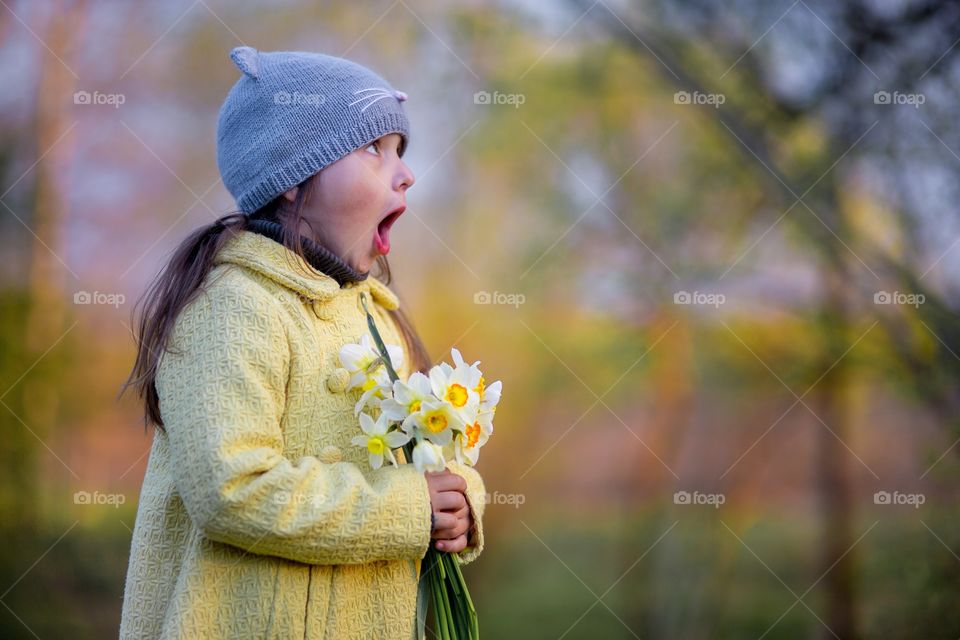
<point x="179" y="282"/>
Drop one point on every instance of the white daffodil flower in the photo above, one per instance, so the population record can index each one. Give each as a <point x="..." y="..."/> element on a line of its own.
<point x="407" y="399"/>
<point x="374" y="394"/>
<point x="456" y="386"/>
<point x="489" y="395"/>
<point x="435" y="421"/>
<point x="428" y="457"/>
<point x="364" y="363"/>
<point x="458" y="362"/>
<point x="378" y="440"/>
<point x="468" y="442"/>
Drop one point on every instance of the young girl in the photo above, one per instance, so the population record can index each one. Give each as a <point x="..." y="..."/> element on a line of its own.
<point x="258" y="518"/>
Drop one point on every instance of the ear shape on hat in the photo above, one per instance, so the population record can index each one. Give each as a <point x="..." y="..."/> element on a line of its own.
<point x="247" y="60"/>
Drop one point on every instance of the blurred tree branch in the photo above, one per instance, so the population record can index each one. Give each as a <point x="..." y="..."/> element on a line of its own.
<point x="871" y="36"/>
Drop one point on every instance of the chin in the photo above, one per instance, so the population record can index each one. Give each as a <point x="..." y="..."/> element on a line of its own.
<point x="363" y="265"/>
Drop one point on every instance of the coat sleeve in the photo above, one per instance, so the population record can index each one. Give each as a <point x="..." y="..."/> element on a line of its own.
<point x="477" y="500"/>
<point x="222" y="394"/>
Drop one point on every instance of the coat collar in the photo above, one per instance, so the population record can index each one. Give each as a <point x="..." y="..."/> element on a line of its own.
<point x="273" y="260"/>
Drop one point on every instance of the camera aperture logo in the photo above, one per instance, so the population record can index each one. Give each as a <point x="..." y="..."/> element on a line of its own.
<point x="896" y="498"/>
<point x="688" y="498"/>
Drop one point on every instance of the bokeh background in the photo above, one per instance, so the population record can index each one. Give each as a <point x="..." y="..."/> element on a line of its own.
<point x="709" y="247"/>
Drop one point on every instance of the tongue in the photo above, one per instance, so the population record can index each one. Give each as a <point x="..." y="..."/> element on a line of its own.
<point x="382" y="239"/>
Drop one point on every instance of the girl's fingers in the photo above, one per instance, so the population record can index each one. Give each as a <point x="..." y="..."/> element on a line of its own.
<point x="456" y="545"/>
<point x="449" y="501"/>
<point x="459" y="527"/>
<point x="443" y="522"/>
<point x="447" y="481"/>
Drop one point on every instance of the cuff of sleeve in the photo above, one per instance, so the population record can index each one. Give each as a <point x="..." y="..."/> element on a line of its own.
<point x="415" y="504"/>
<point x="477" y="501"/>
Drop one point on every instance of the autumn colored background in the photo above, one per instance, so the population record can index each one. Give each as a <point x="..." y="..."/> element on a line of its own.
<point x="709" y="247"/>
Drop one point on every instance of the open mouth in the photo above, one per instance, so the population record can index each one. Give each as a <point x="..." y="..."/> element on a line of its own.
<point x="382" y="238"/>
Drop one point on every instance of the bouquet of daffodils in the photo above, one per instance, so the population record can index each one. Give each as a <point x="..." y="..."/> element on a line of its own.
<point x="447" y="414"/>
<point x="442" y="416"/>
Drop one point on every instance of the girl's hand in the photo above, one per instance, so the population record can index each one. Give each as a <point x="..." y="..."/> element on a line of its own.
<point x="451" y="513"/>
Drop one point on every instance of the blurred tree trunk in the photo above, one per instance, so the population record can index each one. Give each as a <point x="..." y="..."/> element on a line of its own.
<point x="835" y="561"/>
<point x="665" y="431"/>
<point x="47" y="276"/>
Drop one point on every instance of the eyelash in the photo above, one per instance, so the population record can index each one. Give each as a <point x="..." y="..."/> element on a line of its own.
<point x="375" y="144"/>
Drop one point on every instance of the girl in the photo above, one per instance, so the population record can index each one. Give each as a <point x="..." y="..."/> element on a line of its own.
<point x="258" y="518"/>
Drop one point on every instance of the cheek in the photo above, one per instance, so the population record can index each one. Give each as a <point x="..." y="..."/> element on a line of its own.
<point x="347" y="190"/>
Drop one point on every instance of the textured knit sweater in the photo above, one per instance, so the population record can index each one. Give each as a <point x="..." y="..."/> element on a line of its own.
<point x="258" y="518"/>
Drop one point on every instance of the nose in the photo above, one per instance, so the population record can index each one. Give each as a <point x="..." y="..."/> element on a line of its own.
<point x="404" y="178"/>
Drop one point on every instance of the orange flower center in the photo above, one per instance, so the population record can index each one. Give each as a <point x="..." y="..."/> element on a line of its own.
<point x="473" y="434"/>
<point x="480" y="387"/>
<point x="456" y="395"/>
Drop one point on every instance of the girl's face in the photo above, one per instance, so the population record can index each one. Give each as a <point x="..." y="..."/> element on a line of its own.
<point x="354" y="202"/>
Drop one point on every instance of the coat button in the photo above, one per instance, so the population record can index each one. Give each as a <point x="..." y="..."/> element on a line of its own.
<point x="338" y="380"/>
<point x="321" y="309"/>
<point x="330" y="454"/>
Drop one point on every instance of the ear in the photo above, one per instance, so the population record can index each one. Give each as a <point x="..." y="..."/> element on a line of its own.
<point x="247" y="60"/>
<point x="291" y="194"/>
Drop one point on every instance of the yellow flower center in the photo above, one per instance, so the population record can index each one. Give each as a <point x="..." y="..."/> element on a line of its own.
<point x="376" y="445"/>
<point x="436" y="422"/>
<point x="473" y="434"/>
<point x="414" y="406"/>
<point x="369" y="384"/>
<point x="481" y="386"/>
<point x="456" y="395"/>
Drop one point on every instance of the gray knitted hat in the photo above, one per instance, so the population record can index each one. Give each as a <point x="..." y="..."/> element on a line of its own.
<point x="292" y="113"/>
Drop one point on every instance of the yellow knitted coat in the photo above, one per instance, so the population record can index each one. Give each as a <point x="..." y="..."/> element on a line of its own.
<point x="257" y="517"/>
